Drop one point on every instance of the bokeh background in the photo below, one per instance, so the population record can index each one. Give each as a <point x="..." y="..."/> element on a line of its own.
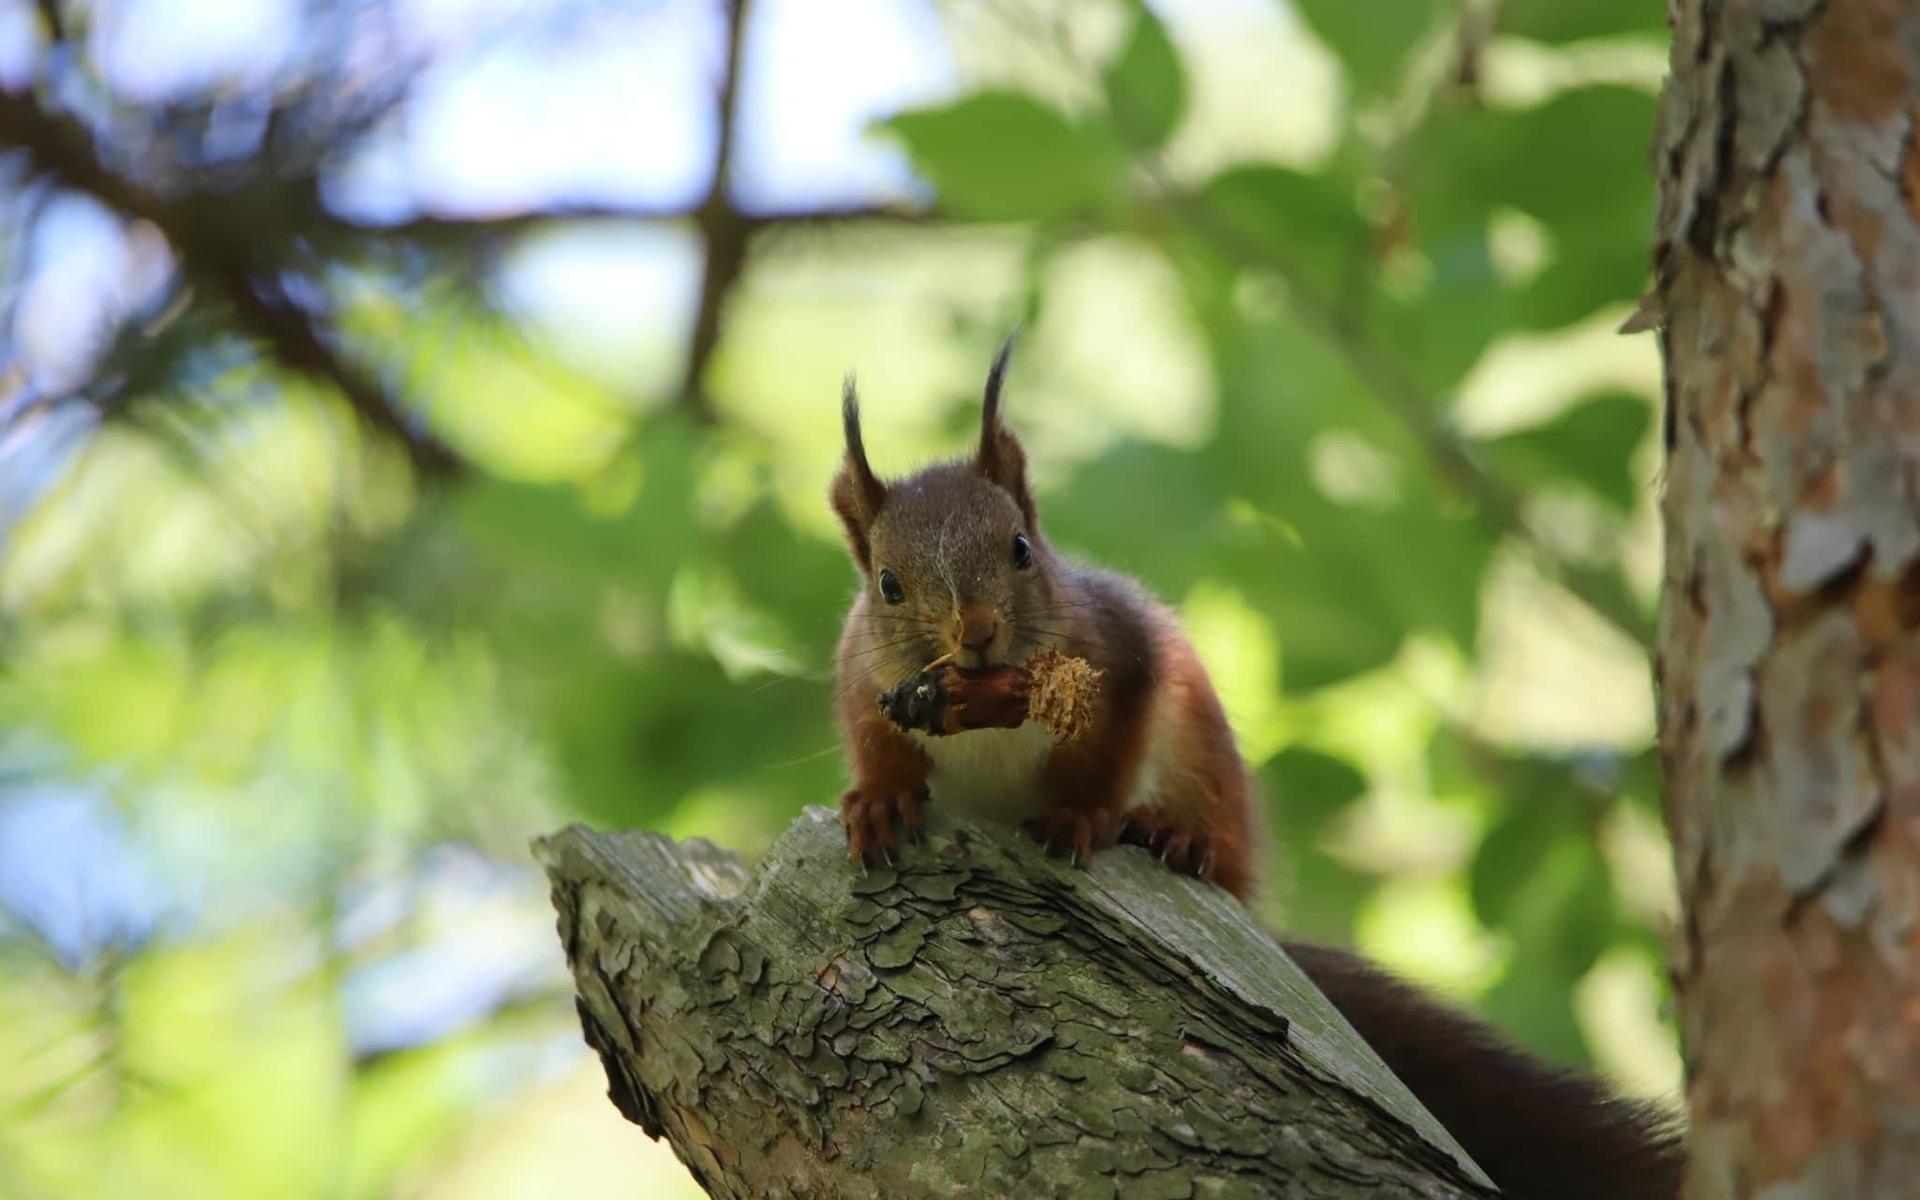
<point x="414" y="425"/>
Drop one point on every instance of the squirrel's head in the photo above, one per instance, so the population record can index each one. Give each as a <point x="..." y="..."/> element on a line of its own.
<point x="951" y="556"/>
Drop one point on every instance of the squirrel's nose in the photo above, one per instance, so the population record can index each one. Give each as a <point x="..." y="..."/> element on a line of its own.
<point x="979" y="625"/>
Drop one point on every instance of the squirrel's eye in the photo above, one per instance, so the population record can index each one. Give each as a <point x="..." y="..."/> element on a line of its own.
<point x="1022" y="551"/>
<point x="891" y="589"/>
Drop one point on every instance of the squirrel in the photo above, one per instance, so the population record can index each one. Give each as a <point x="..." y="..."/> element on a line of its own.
<point x="954" y="567"/>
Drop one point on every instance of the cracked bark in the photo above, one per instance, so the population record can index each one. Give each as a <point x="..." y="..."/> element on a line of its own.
<point x="980" y="1020"/>
<point x="1788" y="260"/>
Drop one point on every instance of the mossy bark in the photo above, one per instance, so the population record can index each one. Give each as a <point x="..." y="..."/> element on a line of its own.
<point x="980" y="1020"/>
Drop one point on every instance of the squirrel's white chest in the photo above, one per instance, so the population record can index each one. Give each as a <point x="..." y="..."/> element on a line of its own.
<point x="992" y="773"/>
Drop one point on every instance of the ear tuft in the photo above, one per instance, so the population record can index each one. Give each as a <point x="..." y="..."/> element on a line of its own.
<point x="1001" y="457"/>
<point x="996" y="376"/>
<point x="857" y="493"/>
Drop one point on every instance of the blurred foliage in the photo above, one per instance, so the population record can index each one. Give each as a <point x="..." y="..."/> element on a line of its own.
<point x="283" y="699"/>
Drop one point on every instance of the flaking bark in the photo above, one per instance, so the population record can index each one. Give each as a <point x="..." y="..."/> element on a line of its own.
<point x="1788" y="257"/>
<point x="980" y="1020"/>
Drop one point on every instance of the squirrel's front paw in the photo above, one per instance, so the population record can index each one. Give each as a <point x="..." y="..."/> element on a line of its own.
<point x="1072" y="832"/>
<point x="877" y="822"/>
<point x="1189" y="852"/>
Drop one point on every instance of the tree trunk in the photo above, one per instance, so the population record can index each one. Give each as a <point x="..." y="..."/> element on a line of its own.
<point x="1788" y="257"/>
<point x="978" y="1021"/>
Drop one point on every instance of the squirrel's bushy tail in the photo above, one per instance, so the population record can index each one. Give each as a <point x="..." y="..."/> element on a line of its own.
<point x="1541" y="1132"/>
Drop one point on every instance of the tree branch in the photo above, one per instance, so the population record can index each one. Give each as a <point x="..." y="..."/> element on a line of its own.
<point x="722" y="228"/>
<point x="266" y="312"/>
<point x="231" y="244"/>
<point x="980" y="1020"/>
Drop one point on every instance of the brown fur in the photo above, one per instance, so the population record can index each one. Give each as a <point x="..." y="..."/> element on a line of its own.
<point x="890" y="778"/>
<point x="946" y="533"/>
<point x="1199" y="814"/>
<point x="1158" y="767"/>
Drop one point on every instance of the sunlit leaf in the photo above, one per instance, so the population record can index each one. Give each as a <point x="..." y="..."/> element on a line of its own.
<point x="1588" y="272"/>
<point x="1373" y="41"/>
<point x="1519" y="843"/>
<point x="1440" y="330"/>
<point x="1572" y="20"/>
<point x="1640" y="781"/>
<point x="792" y="577"/>
<point x="1580" y="159"/>
<point x="1299" y="223"/>
<point x="1146" y="88"/>
<point x="1575" y="163"/>
<point x="1003" y="155"/>
<point x="1534" y="1002"/>
<point x="1329" y="625"/>
<point x="1346" y="585"/>
<point x="1310" y="787"/>
<point x="1305" y="790"/>
<point x="1170" y="536"/>
<point x="1591" y="444"/>
<point x="1320" y="895"/>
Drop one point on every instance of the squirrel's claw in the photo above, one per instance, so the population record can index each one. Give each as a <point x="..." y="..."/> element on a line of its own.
<point x="1074" y="835"/>
<point x="1190" y="853"/>
<point x="1178" y="853"/>
<point x="877" y="824"/>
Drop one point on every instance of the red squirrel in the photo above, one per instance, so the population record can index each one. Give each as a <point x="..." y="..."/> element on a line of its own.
<point x="954" y="567"/>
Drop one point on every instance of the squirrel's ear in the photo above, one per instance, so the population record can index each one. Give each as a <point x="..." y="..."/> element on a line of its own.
<point x="857" y="492"/>
<point x="1001" y="457"/>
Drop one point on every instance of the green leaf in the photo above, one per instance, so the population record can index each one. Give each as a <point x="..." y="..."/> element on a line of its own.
<point x="1580" y="160"/>
<point x="802" y="582"/>
<point x="1441" y="332"/>
<point x="1004" y="156"/>
<point x="635" y="738"/>
<point x="1345" y="585"/>
<point x="1585" y="925"/>
<point x="1535" y="1004"/>
<point x="1640" y="782"/>
<point x="1515" y="848"/>
<point x="1561" y="918"/>
<point x="1322" y="894"/>
<point x="1281" y="385"/>
<point x="1307" y="225"/>
<point x="1372" y="39"/>
<point x="549" y="528"/>
<point x="1309" y="788"/>
<point x="1562" y="912"/>
<point x="1329" y="621"/>
<point x="1574" y="20"/>
<point x="1435" y="575"/>
<point x="1591" y="269"/>
<point x="1576" y="164"/>
<point x="1165" y="534"/>
<point x="1591" y="445"/>
<point x="1146" y="88"/>
<point x="1305" y="789"/>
